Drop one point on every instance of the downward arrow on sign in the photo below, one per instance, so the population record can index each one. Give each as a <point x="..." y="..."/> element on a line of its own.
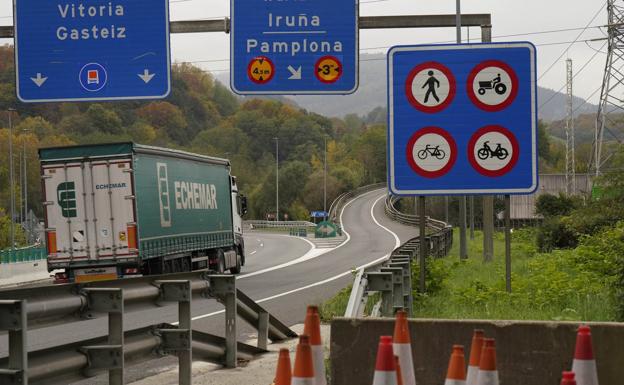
<point x="146" y="76"/>
<point x="39" y="80"/>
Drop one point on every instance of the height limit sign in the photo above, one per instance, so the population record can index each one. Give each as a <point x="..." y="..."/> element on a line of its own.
<point x="294" y="46"/>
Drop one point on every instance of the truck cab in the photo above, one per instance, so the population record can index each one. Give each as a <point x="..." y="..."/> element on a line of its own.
<point x="239" y="208"/>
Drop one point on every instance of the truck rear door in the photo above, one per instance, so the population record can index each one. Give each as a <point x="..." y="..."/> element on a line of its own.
<point x="90" y="211"/>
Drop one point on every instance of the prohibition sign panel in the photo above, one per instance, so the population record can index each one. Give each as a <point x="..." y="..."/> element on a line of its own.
<point x="481" y="99"/>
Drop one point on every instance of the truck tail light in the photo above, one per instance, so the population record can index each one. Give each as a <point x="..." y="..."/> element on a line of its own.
<point x="132" y="237"/>
<point x="61" y="278"/>
<point x="51" y="241"/>
<point x="131" y="270"/>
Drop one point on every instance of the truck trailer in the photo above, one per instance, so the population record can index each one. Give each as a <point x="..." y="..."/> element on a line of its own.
<point x="125" y="209"/>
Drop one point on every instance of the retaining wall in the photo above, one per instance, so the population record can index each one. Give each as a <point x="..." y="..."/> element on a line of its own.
<point x="528" y="353"/>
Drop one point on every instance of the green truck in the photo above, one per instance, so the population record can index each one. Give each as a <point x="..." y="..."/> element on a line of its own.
<point x="124" y="209"/>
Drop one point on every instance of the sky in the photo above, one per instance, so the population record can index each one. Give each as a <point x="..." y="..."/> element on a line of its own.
<point x="210" y="51"/>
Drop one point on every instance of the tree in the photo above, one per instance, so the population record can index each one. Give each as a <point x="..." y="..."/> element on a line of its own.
<point x="168" y="118"/>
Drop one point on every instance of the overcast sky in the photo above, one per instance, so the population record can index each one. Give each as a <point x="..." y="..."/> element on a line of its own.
<point x="509" y="17"/>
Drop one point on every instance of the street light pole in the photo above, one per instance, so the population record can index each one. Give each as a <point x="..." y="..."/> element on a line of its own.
<point x="11" y="179"/>
<point x="276" y="179"/>
<point x="325" y="182"/>
<point x="25" y="173"/>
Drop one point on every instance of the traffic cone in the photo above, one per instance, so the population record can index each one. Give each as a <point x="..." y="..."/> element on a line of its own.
<point x="475" y="356"/>
<point x="584" y="364"/>
<point x="568" y="378"/>
<point x="456" y="373"/>
<point x="312" y="328"/>
<point x="488" y="375"/>
<point x="303" y="374"/>
<point x="397" y="363"/>
<point x="385" y="370"/>
<point x="403" y="349"/>
<point x="283" y="374"/>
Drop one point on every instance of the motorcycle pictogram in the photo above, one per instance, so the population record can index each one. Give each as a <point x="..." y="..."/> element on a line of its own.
<point x="486" y="152"/>
<point x="495" y="84"/>
<point x="433" y="151"/>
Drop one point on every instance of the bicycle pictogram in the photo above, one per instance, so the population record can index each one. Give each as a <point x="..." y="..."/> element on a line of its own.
<point x="433" y="151"/>
<point x="486" y="152"/>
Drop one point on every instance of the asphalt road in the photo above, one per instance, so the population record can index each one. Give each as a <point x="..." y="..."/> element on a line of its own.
<point x="282" y="273"/>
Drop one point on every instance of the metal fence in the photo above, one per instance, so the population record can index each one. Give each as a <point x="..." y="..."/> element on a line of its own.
<point x="258" y="224"/>
<point x="336" y="207"/>
<point x="23" y="254"/>
<point x="46" y="306"/>
<point x="392" y="278"/>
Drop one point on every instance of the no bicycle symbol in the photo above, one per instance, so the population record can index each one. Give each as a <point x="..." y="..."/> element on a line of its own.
<point x="431" y="152"/>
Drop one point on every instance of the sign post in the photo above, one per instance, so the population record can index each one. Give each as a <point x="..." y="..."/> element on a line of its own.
<point x="294" y="47"/>
<point x="92" y="51"/>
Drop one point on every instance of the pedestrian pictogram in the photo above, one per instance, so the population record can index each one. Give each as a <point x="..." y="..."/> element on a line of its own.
<point x="493" y="150"/>
<point x="492" y="85"/>
<point x="260" y="70"/>
<point x="93" y="77"/>
<point x="328" y="69"/>
<point x="430" y="87"/>
<point x="431" y="152"/>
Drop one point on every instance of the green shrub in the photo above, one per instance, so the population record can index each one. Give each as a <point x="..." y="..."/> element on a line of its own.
<point x="548" y="205"/>
<point x="555" y="234"/>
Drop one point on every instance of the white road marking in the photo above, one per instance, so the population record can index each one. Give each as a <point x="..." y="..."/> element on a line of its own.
<point x="330" y="279"/>
<point x="253" y="252"/>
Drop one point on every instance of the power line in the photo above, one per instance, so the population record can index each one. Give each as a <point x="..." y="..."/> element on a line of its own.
<point x="577" y="37"/>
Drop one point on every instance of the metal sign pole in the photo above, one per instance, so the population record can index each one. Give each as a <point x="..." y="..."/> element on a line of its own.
<point x="463" y="252"/>
<point x="508" y="242"/>
<point x="422" y="248"/>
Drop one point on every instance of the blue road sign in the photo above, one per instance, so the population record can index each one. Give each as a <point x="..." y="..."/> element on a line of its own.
<point x="294" y="47"/>
<point x="95" y="50"/>
<point x="462" y="119"/>
<point x="318" y="214"/>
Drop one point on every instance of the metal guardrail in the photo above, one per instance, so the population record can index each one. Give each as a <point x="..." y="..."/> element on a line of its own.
<point x="338" y="203"/>
<point x="258" y="224"/>
<point x="392" y="278"/>
<point x="23" y="254"/>
<point x="42" y="307"/>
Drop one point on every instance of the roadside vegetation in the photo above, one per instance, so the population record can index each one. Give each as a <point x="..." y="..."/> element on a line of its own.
<point x="570" y="267"/>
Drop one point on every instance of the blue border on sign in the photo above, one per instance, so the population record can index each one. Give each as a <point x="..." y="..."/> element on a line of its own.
<point x="389" y="159"/>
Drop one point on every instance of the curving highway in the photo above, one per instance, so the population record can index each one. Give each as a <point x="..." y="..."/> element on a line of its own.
<point x="283" y="273"/>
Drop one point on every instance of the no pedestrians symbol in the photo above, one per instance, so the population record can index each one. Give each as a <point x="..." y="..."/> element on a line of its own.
<point x="430" y="87"/>
<point x="261" y="70"/>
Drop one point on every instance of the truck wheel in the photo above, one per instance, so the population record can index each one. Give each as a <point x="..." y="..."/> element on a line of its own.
<point x="237" y="269"/>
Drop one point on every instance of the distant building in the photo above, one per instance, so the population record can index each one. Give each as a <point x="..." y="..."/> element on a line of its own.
<point x="523" y="206"/>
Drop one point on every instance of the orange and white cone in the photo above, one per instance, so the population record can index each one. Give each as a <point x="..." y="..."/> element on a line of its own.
<point x="584" y="364"/>
<point x="312" y="328"/>
<point x="456" y="373"/>
<point x="475" y="356"/>
<point x="568" y="378"/>
<point x="488" y="375"/>
<point x="283" y="374"/>
<point x="303" y="374"/>
<point x="397" y="363"/>
<point x="402" y="348"/>
<point x="385" y="370"/>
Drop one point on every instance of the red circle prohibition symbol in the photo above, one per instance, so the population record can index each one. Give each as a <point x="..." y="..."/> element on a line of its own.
<point x="515" y="150"/>
<point x="492" y="107"/>
<point x="260" y="59"/>
<point x="410" y="79"/>
<point x="338" y="70"/>
<point x="409" y="152"/>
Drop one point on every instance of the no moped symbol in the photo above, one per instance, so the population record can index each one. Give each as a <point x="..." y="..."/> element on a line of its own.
<point x="493" y="151"/>
<point x="492" y="85"/>
<point x="431" y="152"/>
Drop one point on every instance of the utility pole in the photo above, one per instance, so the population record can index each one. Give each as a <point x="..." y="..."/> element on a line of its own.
<point x="570" y="174"/>
<point x="612" y="82"/>
<point x="276" y="178"/>
<point x="325" y="180"/>
<point x="25" y="162"/>
<point x="488" y="200"/>
<point x="11" y="180"/>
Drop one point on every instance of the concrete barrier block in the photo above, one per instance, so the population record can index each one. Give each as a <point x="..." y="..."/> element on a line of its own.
<point x="528" y="352"/>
